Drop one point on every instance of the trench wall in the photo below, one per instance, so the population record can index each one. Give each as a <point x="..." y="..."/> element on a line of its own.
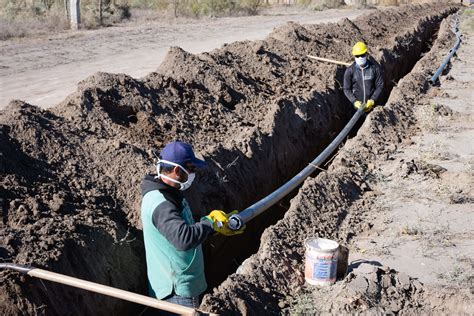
<point x="330" y="205"/>
<point x="294" y="137"/>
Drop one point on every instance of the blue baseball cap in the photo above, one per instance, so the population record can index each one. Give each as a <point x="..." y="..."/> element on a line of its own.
<point x="181" y="154"/>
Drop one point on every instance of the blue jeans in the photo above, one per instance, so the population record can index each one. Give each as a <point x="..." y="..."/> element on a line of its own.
<point x="192" y="302"/>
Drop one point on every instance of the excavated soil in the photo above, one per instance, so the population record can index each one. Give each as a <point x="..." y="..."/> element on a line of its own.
<point x="257" y="111"/>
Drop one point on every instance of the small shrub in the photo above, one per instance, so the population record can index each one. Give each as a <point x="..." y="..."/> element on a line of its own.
<point x="160" y="5"/>
<point x="53" y="21"/>
<point x="111" y="14"/>
<point x="11" y="9"/>
<point x="217" y="7"/>
<point x="212" y="8"/>
<point x="301" y="304"/>
<point x="304" y="3"/>
<point x="320" y="7"/>
<point x="252" y="6"/>
<point x="11" y="29"/>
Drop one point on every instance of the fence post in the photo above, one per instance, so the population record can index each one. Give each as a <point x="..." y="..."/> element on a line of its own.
<point x="75" y="11"/>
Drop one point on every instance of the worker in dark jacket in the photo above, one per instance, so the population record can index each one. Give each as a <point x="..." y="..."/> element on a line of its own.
<point x="363" y="80"/>
<point x="174" y="257"/>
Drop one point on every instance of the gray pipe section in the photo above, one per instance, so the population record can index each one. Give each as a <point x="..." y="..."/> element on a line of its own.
<point x="448" y="57"/>
<point x="256" y="209"/>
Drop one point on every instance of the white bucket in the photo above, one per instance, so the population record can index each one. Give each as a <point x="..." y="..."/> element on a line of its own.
<point x="321" y="261"/>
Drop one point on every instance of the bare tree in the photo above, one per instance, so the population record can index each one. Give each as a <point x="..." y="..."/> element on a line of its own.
<point x="175" y="8"/>
<point x="66" y="7"/>
<point x="47" y="4"/>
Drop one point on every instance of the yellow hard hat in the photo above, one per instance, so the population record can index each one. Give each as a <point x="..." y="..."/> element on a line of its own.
<point x="359" y="49"/>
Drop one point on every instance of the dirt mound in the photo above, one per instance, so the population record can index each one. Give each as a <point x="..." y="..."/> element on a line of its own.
<point x="369" y="288"/>
<point x="258" y="111"/>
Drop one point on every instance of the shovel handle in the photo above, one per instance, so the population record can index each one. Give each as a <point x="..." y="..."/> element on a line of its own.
<point x="329" y="60"/>
<point x="102" y="289"/>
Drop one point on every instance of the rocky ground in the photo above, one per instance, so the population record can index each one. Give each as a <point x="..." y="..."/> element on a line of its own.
<point x="258" y="112"/>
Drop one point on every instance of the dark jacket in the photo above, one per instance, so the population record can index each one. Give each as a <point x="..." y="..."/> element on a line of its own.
<point x="168" y="220"/>
<point x="353" y="83"/>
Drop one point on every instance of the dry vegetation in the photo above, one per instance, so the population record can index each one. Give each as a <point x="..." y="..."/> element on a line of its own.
<point x="20" y="18"/>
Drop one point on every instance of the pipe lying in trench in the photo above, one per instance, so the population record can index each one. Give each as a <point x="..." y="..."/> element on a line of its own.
<point x="450" y="55"/>
<point x="102" y="289"/>
<point x="237" y="221"/>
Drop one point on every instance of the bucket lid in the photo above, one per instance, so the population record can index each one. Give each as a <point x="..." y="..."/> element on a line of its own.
<point x="321" y="244"/>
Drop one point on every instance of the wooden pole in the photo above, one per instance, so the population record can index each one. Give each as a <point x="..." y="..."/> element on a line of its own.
<point x="110" y="291"/>
<point x="103" y="289"/>
<point x="75" y="11"/>
<point x="329" y="60"/>
<point x="66" y="7"/>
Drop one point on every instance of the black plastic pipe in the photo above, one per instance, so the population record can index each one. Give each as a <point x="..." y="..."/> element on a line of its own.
<point x="236" y="221"/>
<point x="449" y="56"/>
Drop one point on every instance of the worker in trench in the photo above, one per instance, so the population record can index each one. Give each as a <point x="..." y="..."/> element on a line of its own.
<point x="363" y="79"/>
<point x="174" y="256"/>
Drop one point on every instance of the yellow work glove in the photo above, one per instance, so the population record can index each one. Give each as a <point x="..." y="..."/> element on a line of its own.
<point x="369" y="106"/>
<point x="218" y="219"/>
<point x="226" y="231"/>
<point x="357" y="104"/>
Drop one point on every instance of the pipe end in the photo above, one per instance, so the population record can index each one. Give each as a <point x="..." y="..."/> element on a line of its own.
<point x="235" y="222"/>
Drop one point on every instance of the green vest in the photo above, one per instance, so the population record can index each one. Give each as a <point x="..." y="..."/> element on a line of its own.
<point x="170" y="270"/>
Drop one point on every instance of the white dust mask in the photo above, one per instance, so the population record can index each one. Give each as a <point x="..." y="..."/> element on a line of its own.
<point x="361" y="60"/>
<point x="182" y="185"/>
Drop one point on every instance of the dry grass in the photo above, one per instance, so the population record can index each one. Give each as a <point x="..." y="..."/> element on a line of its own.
<point x="27" y="18"/>
<point x="21" y="18"/>
<point x="414" y="230"/>
<point x="32" y="25"/>
<point x="467" y="21"/>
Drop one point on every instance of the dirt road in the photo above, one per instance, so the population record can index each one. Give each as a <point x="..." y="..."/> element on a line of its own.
<point x="44" y="71"/>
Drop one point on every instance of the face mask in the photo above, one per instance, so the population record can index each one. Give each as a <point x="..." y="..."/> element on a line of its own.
<point x="361" y="60"/>
<point x="182" y="185"/>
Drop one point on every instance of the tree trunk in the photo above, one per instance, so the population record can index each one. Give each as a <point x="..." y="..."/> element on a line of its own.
<point x="66" y="7"/>
<point x="175" y="7"/>
<point x="100" y="11"/>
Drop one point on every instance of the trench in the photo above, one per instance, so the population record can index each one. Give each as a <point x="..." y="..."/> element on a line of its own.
<point x="224" y="255"/>
<point x="277" y="157"/>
